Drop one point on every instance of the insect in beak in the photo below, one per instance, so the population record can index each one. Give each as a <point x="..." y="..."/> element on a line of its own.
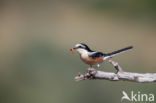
<point x="72" y="49"/>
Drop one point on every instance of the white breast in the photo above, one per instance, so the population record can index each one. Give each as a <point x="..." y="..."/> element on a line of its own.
<point x="84" y="56"/>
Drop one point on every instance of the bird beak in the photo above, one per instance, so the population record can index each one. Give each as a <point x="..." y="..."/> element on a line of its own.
<point x="72" y="49"/>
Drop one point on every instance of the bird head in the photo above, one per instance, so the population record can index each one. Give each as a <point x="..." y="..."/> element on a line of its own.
<point x="81" y="48"/>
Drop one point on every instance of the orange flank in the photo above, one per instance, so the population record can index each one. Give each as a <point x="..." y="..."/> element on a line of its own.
<point x="93" y="61"/>
<point x="98" y="59"/>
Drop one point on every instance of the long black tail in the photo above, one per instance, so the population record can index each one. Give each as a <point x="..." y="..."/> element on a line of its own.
<point x="119" y="51"/>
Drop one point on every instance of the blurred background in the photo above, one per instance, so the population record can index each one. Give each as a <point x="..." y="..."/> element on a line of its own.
<point x="36" y="65"/>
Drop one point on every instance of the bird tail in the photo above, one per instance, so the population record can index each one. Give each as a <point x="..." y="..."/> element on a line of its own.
<point x="119" y="51"/>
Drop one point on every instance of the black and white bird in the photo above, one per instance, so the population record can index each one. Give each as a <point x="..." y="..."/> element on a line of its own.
<point x="93" y="57"/>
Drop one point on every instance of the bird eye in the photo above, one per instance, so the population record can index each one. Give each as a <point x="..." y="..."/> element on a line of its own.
<point x="79" y="46"/>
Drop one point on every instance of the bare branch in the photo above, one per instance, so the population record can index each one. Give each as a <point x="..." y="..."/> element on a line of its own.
<point x="93" y="74"/>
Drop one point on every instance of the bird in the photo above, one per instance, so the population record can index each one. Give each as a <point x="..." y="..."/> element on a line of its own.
<point x="91" y="57"/>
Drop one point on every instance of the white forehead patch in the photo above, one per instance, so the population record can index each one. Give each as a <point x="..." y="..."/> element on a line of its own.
<point x="77" y="45"/>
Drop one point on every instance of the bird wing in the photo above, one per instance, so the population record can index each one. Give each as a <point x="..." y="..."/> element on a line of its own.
<point x="96" y="55"/>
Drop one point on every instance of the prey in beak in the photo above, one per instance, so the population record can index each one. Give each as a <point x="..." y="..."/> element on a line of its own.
<point x="72" y="49"/>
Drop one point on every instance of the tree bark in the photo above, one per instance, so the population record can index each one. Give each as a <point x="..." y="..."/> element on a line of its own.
<point x="93" y="74"/>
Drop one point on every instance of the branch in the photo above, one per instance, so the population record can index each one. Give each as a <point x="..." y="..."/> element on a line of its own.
<point x="93" y="74"/>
